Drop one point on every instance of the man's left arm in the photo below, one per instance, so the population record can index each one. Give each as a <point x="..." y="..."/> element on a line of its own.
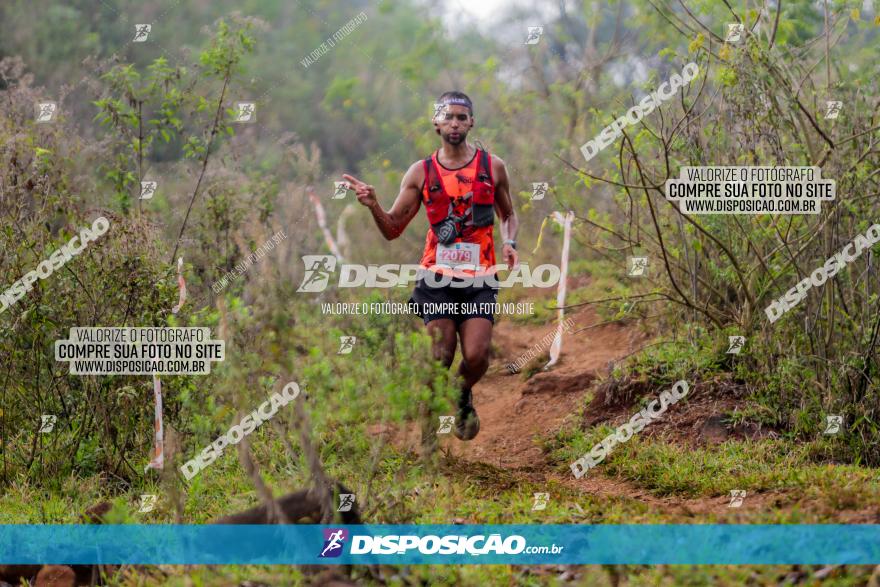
<point x="505" y="211"/>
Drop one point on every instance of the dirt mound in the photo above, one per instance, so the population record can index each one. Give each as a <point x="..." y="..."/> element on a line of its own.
<point x="549" y="382"/>
<point x="699" y="420"/>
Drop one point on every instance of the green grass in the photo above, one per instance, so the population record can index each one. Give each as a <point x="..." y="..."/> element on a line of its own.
<point x="460" y="491"/>
<point x="685" y="471"/>
<point x="676" y="469"/>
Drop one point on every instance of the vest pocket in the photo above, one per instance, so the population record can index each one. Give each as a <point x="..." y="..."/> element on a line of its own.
<point x="484" y="214"/>
<point x="484" y="193"/>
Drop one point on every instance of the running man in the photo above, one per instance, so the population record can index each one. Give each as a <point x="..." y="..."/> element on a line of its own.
<point x="334" y="542"/>
<point x="462" y="188"/>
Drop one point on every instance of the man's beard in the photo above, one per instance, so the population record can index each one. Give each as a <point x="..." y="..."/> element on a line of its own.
<point x="461" y="137"/>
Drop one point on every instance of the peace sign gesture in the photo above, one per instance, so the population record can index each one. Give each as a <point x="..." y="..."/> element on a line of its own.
<point x="365" y="193"/>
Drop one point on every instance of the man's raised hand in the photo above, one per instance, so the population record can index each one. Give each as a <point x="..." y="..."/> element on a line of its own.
<point x="365" y="193"/>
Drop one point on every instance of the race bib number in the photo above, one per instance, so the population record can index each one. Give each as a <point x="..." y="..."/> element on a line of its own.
<point x="459" y="254"/>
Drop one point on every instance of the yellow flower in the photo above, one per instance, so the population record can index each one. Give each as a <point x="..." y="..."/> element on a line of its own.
<point x="386" y="163"/>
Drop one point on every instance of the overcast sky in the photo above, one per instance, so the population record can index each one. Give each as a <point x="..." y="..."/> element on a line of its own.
<point x="485" y="13"/>
<point x="480" y="10"/>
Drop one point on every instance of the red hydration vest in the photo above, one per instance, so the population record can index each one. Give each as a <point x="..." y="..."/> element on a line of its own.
<point x="471" y="206"/>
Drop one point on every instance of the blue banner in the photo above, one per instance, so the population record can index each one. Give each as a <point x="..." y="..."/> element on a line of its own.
<point x="440" y="544"/>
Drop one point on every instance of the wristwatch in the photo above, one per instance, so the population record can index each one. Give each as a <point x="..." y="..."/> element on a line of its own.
<point x="510" y="242"/>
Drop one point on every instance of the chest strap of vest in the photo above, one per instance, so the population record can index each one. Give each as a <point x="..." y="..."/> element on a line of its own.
<point x="439" y="204"/>
<point x="483" y="168"/>
<point x="483" y="204"/>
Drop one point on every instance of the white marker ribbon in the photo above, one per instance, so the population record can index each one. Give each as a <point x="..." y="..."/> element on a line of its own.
<point x="181" y="287"/>
<point x="556" y="347"/>
<point x="322" y="222"/>
<point x="158" y="461"/>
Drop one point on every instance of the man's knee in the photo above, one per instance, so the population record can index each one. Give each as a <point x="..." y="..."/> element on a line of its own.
<point x="476" y="358"/>
<point x="444" y="353"/>
<point x="444" y="341"/>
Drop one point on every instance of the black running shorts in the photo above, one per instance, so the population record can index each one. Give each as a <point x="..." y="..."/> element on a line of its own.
<point x="456" y="303"/>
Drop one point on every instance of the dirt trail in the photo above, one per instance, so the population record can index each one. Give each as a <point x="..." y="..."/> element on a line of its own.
<point x="516" y="413"/>
<point x="513" y="411"/>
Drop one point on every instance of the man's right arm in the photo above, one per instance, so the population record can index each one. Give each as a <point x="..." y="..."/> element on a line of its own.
<point x="393" y="222"/>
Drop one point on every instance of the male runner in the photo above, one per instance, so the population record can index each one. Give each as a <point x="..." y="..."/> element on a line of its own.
<point x="462" y="188"/>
